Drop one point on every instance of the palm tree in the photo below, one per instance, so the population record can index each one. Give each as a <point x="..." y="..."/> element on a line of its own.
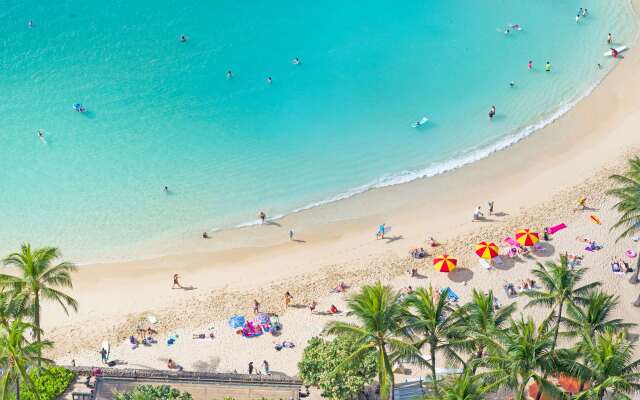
<point x="379" y="313"/>
<point x="432" y="320"/>
<point x="628" y="205"/>
<point x="39" y="279"/>
<point x="464" y="387"/>
<point x="594" y="316"/>
<point x="516" y="356"/>
<point x="17" y="355"/>
<point x="480" y="318"/>
<point x="607" y="366"/>
<point x="559" y="282"/>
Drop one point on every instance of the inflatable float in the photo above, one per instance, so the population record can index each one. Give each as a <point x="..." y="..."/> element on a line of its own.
<point x="595" y="219"/>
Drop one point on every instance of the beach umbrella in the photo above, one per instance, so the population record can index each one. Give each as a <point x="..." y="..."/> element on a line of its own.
<point x="571" y="384"/>
<point x="527" y="237"/>
<point x="445" y="263"/>
<point x="487" y="250"/>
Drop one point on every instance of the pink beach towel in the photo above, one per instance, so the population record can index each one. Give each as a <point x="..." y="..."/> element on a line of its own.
<point x="556" y="228"/>
<point x="511" y="241"/>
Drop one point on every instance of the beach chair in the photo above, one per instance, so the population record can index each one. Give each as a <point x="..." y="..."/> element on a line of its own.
<point x="486" y="264"/>
<point x="553" y="229"/>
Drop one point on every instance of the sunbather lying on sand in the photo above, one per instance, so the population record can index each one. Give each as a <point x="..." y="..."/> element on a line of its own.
<point x="333" y="309"/>
<point x="172" y="365"/>
<point x="432" y="242"/>
<point x="341" y="287"/>
<point x="418" y="253"/>
<point x="203" y="336"/>
<point x="510" y="289"/>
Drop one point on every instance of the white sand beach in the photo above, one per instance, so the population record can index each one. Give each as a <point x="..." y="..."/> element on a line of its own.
<point x="534" y="184"/>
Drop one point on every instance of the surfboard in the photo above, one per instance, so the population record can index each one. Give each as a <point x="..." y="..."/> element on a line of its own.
<point x="595" y="219"/>
<point x="619" y="49"/>
<point x="423" y="121"/>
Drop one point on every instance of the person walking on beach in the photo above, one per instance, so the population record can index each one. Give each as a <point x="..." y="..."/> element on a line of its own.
<point x="250" y="367"/>
<point x="492" y="112"/>
<point x="104" y="355"/>
<point x="582" y="203"/>
<point x="530" y="65"/>
<point x="490" y="206"/>
<point x="287" y="299"/>
<point x="290" y="234"/>
<point x="256" y="306"/>
<point x="262" y="216"/>
<point x="176" y="282"/>
<point x="265" y="367"/>
<point x="547" y="66"/>
<point x="609" y="38"/>
<point x="380" y="233"/>
<point x="312" y="306"/>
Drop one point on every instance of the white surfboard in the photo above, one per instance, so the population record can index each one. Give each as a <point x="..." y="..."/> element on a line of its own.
<point x="619" y="49"/>
<point x="423" y="121"/>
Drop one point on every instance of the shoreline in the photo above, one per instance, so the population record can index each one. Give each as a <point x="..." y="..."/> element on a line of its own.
<point x="187" y="241"/>
<point x="532" y="182"/>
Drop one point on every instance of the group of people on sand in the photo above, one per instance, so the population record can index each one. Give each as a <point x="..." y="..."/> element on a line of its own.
<point x="478" y="215"/>
<point x="620" y="266"/>
<point x="265" y="368"/>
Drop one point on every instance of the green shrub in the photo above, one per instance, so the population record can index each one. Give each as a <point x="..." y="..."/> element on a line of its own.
<point x="321" y="366"/>
<point x="150" y="392"/>
<point x="49" y="383"/>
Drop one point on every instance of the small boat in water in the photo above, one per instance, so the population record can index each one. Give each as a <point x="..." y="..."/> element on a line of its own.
<point x="79" y="107"/>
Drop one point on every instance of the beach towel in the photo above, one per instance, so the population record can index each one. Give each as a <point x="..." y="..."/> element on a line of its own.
<point x="556" y="228"/>
<point x="237" y="321"/>
<point x="262" y="318"/>
<point x="450" y="294"/>
<point x="511" y="241"/>
<point x="630" y="253"/>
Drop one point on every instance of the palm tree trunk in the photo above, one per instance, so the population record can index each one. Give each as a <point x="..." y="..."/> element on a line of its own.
<point x="434" y="376"/>
<point x="557" y="330"/>
<point x="553" y="345"/>
<point x="634" y="277"/>
<point x="385" y="374"/>
<point x="36" y="321"/>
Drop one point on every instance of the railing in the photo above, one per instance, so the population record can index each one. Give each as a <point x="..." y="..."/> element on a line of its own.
<point x="191" y="376"/>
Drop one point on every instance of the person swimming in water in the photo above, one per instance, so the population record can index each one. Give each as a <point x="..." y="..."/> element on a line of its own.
<point x="30" y="24"/>
<point x="530" y="65"/>
<point x="296" y="61"/>
<point x="585" y="12"/>
<point x="609" y="38"/>
<point x="229" y="74"/>
<point x="507" y="31"/>
<point x="492" y="112"/>
<point x="577" y="18"/>
<point x="183" y="38"/>
<point x="165" y="189"/>
<point x="512" y="84"/>
<point x="269" y="80"/>
<point x="547" y="66"/>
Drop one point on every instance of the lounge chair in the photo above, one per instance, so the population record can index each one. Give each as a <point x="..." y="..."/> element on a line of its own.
<point x="486" y="264"/>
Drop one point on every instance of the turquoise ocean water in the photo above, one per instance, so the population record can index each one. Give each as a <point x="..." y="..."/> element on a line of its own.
<point x="162" y="112"/>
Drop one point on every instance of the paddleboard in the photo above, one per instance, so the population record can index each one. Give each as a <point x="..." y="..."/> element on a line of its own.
<point x="595" y="219"/>
<point x="619" y="49"/>
<point x="423" y="121"/>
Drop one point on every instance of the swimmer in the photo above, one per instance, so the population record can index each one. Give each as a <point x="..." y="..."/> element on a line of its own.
<point x="165" y="189"/>
<point x="40" y="134"/>
<point x="547" y="66"/>
<point x="295" y="61"/>
<point x="610" y="39"/>
<point x="269" y="80"/>
<point x="507" y="31"/>
<point x="577" y="18"/>
<point x="580" y="11"/>
<point x="585" y="12"/>
<point x="599" y="66"/>
<point x="512" y="84"/>
<point x="492" y="112"/>
<point x="30" y="24"/>
<point x="229" y="74"/>
<point x="530" y="65"/>
<point x="183" y="38"/>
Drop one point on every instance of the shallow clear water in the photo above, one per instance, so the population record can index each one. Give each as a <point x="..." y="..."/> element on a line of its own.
<point x="162" y="112"/>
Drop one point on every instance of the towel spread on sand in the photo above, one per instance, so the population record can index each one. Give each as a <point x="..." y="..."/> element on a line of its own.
<point x="556" y="228"/>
